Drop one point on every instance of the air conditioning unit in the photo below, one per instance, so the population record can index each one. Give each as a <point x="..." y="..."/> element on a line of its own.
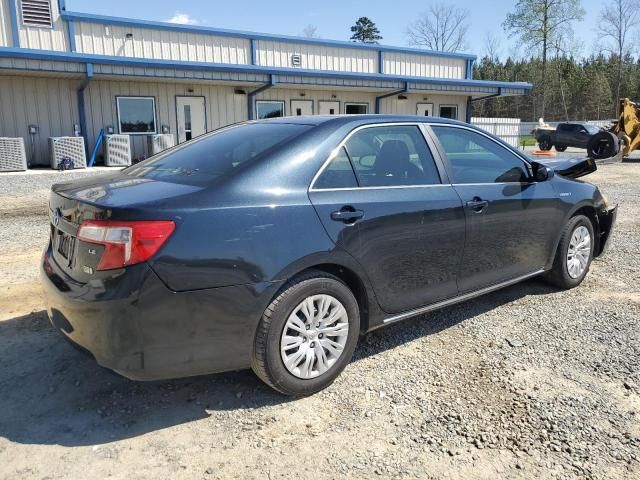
<point x="70" y="149"/>
<point x="12" y="155"/>
<point x="158" y="143"/>
<point x="117" y="151"/>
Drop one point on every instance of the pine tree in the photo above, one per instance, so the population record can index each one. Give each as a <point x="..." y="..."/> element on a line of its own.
<point x="365" y="31"/>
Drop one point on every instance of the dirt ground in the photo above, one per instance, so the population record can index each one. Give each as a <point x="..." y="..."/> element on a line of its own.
<point x="528" y="382"/>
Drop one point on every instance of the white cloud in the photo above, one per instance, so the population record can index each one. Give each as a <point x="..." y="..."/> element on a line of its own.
<point x="183" y="18"/>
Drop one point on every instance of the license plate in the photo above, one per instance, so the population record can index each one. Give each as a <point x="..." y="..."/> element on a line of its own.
<point x="65" y="245"/>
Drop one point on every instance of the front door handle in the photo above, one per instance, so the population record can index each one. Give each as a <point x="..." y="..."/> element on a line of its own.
<point x="477" y="205"/>
<point x="347" y="215"/>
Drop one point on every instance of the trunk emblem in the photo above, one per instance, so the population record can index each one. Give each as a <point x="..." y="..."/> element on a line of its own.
<point x="57" y="215"/>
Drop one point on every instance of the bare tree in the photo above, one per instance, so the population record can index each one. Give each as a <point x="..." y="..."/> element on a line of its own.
<point x="618" y="19"/>
<point x="538" y="24"/>
<point x="310" y="31"/>
<point x="492" y="46"/>
<point x="443" y="27"/>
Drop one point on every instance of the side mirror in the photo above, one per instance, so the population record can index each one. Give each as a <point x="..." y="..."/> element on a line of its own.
<point x="541" y="173"/>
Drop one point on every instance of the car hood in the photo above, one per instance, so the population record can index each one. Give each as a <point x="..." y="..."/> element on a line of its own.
<point x="573" y="167"/>
<point x="121" y="190"/>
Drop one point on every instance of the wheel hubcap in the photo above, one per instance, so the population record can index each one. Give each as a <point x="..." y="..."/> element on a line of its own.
<point x="314" y="336"/>
<point x="579" y="252"/>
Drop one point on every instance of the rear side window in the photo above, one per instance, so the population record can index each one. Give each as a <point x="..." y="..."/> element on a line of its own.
<point x="203" y="160"/>
<point x="392" y="156"/>
<point x="338" y="174"/>
<point x="475" y="158"/>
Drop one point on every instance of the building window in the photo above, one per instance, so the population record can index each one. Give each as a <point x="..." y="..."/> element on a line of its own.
<point x="449" y="111"/>
<point x="36" y="13"/>
<point x="137" y="115"/>
<point x="356" y="108"/>
<point x="269" y="109"/>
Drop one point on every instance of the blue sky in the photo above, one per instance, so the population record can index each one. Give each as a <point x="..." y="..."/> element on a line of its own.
<point x="332" y="17"/>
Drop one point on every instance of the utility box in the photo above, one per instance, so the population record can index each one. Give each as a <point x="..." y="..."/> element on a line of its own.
<point x="67" y="149"/>
<point x="159" y="143"/>
<point x="13" y="157"/>
<point x="117" y="151"/>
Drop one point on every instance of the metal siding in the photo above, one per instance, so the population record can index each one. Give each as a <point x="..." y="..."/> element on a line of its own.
<point x="110" y="40"/>
<point x="409" y="106"/>
<point x="222" y="106"/>
<point x="316" y="57"/>
<point x="50" y="103"/>
<point x="5" y="24"/>
<point x="288" y="94"/>
<point x="416" y="65"/>
<point x="44" y="38"/>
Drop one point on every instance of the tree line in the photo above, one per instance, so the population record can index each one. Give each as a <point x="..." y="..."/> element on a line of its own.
<point x="566" y="86"/>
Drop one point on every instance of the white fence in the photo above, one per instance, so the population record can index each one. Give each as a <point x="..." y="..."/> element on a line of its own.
<point x="508" y="129"/>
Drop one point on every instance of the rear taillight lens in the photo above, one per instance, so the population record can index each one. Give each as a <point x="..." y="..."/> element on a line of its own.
<point x="126" y="243"/>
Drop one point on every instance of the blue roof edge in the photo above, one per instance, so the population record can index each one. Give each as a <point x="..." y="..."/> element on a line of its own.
<point x="108" y="20"/>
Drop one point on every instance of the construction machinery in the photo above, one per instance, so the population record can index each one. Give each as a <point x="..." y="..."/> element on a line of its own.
<point x="623" y="137"/>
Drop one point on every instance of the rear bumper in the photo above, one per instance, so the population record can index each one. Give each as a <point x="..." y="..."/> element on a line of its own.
<point x="130" y="322"/>
<point x="606" y="222"/>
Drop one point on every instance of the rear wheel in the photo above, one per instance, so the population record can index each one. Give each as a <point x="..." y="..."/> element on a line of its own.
<point x="574" y="254"/>
<point x="603" y="145"/>
<point x="307" y="335"/>
<point x="545" y="143"/>
<point x="561" y="148"/>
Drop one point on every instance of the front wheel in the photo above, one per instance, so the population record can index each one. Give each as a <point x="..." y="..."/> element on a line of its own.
<point x="574" y="254"/>
<point x="561" y="148"/>
<point x="307" y="335"/>
<point x="545" y="144"/>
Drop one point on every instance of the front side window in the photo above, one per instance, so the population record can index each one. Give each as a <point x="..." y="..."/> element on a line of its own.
<point x="475" y="158"/>
<point x="449" y="111"/>
<point x="356" y="108"/>
<point x="209" y="157"/>
<point x="392" y="156"/>
<point x="269" y="109"/>
<point x="136" y="115"/>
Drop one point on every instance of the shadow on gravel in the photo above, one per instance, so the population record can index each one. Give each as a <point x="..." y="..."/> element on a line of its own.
<point x="52" y="394"/>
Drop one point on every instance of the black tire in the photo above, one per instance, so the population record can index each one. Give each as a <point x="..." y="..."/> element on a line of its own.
<point x="267" y="361"/>
<point x="561" y="148"/>
<point x="545" y="144"/>
<point x="603" y="145"/>
<point x="559" y="274"/>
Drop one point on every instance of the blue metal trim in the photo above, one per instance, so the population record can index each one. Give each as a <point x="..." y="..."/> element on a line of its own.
<point x="251" y="114"/>
<point x="469" y="71"/>
<point x="94" y="152"/>
<point x="71" y="30"/>
<point x="62" y="6"/>
<point x="380" y="61"/>
<point x="469" y="109"/>
<point x="129" y="22"/>
<point x="81" y="105"/>
<point x="254" y="52"/>
<point x="15" y="27"/>
<point x="390" y="94"/>
<point x="255" y="69"/>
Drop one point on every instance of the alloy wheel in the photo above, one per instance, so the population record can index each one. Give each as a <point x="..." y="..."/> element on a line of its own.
<point x="579" y="252"/>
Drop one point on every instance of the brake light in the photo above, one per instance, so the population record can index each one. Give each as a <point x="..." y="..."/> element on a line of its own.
<point x="126" y="243"/>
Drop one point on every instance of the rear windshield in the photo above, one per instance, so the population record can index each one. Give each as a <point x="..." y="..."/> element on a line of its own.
<point x="205" y="159"/>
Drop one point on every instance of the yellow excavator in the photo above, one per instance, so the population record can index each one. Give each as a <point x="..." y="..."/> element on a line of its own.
<point x="623" y="137"/>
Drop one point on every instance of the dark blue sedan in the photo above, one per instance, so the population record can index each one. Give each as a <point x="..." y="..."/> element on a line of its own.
<point x="276" y="244"/>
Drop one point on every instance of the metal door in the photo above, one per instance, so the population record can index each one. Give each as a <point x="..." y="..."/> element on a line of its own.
<point x="191" y="118"/>
<point x="329" y="107"/>
<point x="301" y="107"/>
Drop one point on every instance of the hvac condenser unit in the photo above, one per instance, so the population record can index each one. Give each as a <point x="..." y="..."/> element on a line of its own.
<point x="12" y="155"/>
<point x="158" y="143"/>
<point x="117" y="151"/>
<point x="67" y="149"/>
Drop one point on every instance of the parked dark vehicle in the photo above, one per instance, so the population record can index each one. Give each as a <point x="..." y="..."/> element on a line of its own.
<point x="566" y="135"/>
<point x="275" y="244"/>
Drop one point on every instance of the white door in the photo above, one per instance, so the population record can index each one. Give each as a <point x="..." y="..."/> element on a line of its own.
<point x="424" y="109"/>
<point x="301" y="107"/>
<point x="191" y="118"/>
<point x="329" y="107"/>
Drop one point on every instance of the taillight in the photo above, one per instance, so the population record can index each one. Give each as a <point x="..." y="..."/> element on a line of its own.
<point x="126" y="243"/>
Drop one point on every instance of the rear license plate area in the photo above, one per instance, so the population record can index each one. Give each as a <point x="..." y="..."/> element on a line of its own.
<point x="64" y="244"/>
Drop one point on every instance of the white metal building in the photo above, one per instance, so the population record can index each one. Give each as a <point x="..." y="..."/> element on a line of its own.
<point x="66" y="73"/>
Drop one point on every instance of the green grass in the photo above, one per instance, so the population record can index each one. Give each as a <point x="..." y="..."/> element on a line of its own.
<point x="528" y="141"/>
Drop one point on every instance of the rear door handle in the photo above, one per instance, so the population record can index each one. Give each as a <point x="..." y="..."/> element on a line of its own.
<point x="477" y="205"/>
<point x="347" y="215"/>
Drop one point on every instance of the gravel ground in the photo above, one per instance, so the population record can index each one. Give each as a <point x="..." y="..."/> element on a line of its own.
<point x="528" y="382"/>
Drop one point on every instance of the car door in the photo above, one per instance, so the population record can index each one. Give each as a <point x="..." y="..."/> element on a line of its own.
<point x="382" y="199"/>
<point x="512" y="221"/>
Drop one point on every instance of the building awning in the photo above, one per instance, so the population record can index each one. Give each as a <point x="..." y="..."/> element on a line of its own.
<point x="27" y="60"/>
